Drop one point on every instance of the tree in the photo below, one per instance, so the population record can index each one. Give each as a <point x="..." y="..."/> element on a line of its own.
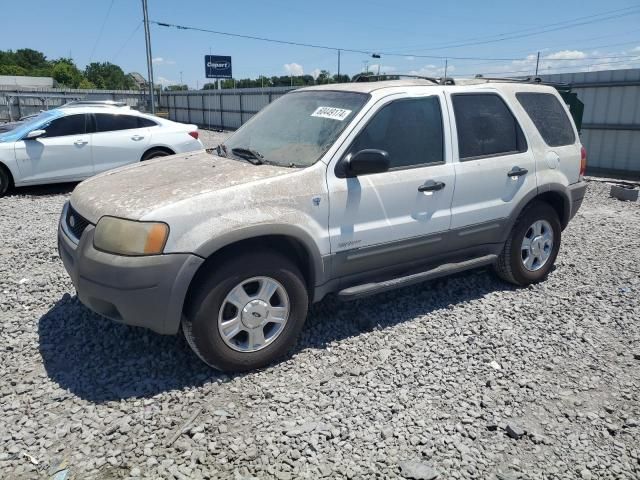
<point x="65" y="73"/>
<point x="107" y="75"/>
<point x="86" y="84"/>
<point x="12" y="70"/>
<point x="209" y="86"/>
<point x="176" y="88"/>
<point x="323" y="77"/>
<point x="29" y="59"/>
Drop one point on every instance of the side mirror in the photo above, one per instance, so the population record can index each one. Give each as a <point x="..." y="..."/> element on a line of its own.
<point x="33" y="134"/>
<point x="365" y="162"/>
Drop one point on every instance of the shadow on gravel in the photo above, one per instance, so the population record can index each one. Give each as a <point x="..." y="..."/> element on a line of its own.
<point x="100" y="360"/>
<point x="42" y="190"/>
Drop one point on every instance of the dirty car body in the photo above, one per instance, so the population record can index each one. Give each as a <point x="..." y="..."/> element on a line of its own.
<point x="350" y="189"/>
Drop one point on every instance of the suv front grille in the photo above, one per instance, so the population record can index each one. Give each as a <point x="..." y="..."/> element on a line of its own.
<point x="76" y="223"/>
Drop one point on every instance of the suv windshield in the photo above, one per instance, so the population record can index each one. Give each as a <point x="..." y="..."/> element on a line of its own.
<point x="297" y="129"/>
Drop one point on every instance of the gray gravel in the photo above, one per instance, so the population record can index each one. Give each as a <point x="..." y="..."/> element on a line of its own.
<point x="464" y="377"/>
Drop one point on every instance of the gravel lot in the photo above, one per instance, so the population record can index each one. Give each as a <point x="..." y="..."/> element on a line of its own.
<point x="462" y="377"/>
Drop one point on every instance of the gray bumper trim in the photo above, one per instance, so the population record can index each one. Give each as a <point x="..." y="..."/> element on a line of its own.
<point x="142" y="291"/>
<point x="577" y="192"/>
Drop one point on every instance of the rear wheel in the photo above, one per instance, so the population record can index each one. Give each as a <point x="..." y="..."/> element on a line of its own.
<point x="532" y="246"/>
<point x="155" y="153"/>
<point x="247" y="312"/>
<point x="5" y="181"/>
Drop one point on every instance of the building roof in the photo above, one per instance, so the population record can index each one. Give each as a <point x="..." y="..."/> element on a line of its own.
<point x="27" y="82"/>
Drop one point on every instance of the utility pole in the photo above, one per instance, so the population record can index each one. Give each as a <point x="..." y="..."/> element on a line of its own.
<point x="537" y="63"/>
<point x="446" y="64"/>
<point x="338" y="64"/>
<point x="147" y="37"/>
<point x="181" y="78"/>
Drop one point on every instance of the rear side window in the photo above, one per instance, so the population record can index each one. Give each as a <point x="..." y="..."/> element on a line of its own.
<point x="63" y="126"/>
<point x="549" y="117"/>
<point x="409" y="130"/>
<point x="486" y="127"/>
<point x="145" y="122"/>
<point x="108" y="122"/>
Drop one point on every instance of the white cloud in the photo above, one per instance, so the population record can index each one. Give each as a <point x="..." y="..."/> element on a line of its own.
<point x="433" y="71"/>
<point x="315" y="72"/>
<point x="294" y="69"/>
<point x="162" y="61"/>
<point x="383" y="68"/>
<point x="411" y="58"/>
<point x="636" y="49"/>
<point x="566" y="55"/>
<point x="165" y="81"/>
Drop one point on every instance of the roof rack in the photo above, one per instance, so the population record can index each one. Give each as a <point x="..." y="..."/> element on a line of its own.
<point x="558" y="85"/>
<point x="95" y="103"/>
<point x="395" y="76"/>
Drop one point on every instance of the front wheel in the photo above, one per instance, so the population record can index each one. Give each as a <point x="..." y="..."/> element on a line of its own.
<point x="5" y="182"/>
<point x="247" y="312"/>
<point x="532" y="247"/>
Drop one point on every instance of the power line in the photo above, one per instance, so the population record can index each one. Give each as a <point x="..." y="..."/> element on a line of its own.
<point x="128" y="40"/>
<point x="335" y="49"/>
<point x="530" y="70"/>
<point x="104" y="22"/>
<point x="580" y="21"/>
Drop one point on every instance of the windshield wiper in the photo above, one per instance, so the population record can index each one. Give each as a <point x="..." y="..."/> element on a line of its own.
<point x="248" y="154"/>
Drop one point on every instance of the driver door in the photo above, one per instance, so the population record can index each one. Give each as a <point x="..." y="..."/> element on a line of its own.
<point x="383" y="220"/>
<point x="62" y="154"/>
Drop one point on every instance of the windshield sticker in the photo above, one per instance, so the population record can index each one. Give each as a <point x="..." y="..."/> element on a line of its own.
<point x="331" y="112"/>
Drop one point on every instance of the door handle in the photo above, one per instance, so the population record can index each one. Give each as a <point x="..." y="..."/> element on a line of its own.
<point x="517" y="172"/>
<point x="137" y="137"/>
<point x="431" y="186"/>
<point x="80" y="142"/>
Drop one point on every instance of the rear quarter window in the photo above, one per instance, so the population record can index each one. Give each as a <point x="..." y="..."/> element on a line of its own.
<point x="549" y="117"/>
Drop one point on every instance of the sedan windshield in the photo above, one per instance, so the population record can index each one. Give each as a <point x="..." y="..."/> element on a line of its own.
<point x="31" y="124"/>
<point x="297" y="129"/>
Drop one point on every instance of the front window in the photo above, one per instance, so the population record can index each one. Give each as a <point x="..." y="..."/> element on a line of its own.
<point x="297" y="129"/>
<point x="34" y="123"/>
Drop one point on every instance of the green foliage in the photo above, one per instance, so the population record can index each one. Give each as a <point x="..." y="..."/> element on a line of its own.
<point x="107" y="75"/>
<point x="86" y="84"/>
<point x="66" y="74"/>
<point x="12" y="70"/>
<point x="30" y="62"/>
<point x="175" y="88"/>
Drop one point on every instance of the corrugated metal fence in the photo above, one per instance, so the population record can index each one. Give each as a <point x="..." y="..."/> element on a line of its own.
<point x="15" y="104"/>
<point x="611" y="121"/>
<point x="610" y="128"/>
<point x="226" y="109"/>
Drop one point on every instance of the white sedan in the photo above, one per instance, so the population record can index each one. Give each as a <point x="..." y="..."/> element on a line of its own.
<point x="72" y="143"/>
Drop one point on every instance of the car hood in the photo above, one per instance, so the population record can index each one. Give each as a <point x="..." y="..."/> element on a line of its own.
<point x="137" y="190"/>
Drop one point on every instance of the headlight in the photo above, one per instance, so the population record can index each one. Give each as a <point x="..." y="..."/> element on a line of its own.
<point x="127" y="237"/>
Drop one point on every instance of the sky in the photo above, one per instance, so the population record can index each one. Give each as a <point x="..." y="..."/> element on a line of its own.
<point x="411" y="36"/>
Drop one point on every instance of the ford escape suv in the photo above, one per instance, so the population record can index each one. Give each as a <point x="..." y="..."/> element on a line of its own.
<point x="350" y="189"/>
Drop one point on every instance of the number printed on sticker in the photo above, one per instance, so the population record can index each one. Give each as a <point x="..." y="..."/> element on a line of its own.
<point x="333" y="113"/>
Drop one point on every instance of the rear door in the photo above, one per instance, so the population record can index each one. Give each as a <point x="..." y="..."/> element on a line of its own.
<point x="62" y="153"/>
<point x="559" y="158"/>
<point x="118" y="139"/>
<point x="494" y="166"/>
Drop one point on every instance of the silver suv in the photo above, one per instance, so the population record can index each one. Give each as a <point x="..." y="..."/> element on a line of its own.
<point x="349" y="189"/>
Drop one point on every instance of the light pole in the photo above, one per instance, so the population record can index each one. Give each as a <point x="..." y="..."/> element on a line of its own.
<point x="147" y="37"/>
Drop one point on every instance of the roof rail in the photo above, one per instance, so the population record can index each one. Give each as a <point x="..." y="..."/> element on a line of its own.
<point x="95" y="103"/>
<point x="539" y="80"/>
<point x="395" y="76"/>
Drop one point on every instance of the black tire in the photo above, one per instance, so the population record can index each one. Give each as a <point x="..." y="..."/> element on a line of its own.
<point x="509" y="266"/>
<point x="155" y="153"/>
<point x="200" y="322"/>
<point x="5" y="181"/>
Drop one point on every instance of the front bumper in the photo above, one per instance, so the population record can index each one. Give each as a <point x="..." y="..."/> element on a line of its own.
<point x="147" y="291"/>
<point x="577" y="192"/>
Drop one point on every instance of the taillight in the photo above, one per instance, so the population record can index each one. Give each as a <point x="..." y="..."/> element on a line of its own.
<point x="583" y="161"/>
<point x="194" y="134"/>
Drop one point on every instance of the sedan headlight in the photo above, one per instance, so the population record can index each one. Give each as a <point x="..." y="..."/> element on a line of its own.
<point x="127" y="237"/>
